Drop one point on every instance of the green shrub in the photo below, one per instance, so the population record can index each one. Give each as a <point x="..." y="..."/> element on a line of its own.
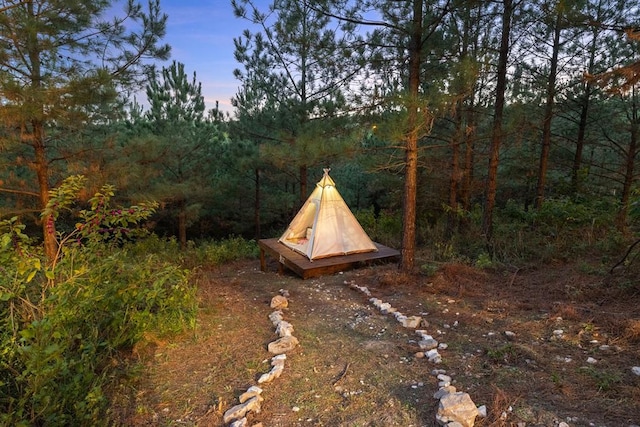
<point x="386" y="228"/>
<point x="231" y="249"/>
<point x="367" y="220"/>
<point x="67" y="328"/>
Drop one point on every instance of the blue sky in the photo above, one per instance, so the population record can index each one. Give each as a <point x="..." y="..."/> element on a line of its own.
<point x="201" y="34"/>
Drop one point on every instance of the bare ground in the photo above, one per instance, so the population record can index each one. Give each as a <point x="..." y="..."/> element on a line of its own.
<point x="358" y="367"/>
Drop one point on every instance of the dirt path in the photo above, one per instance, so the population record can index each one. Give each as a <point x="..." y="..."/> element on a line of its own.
<point x="357" y="367"/>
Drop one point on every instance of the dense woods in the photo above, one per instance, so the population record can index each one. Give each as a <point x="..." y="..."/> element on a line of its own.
<point x="485" y="131"/>
<point x="425" y="112"/>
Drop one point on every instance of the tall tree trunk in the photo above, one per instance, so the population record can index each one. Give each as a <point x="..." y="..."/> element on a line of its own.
<point x="182" y="224"/>
<point x="496" y="137"/>
<point x="454" y="179"/>
<point x="548" y="114"/>
<point x="256" y="204"/>
<point x="407" y="256"/>
<point x="580" y="141"/>
<point x="584" y="114"/>
<point x="631" y="154"/>
<point x="469" y="141"/>
<point x="303" y="184"/>
<point x="41" y="166"/>
<point x="459" y="185"/>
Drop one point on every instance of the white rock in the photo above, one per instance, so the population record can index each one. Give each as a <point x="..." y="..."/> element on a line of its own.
<point x="284" y="329"/>
<point x="433" y="356"/>
<point x="636" y="370"/>
<point x="274" y="373"/>
<point x="276" y="317"/>
<point x="428" y="344"/>
<point x="239" y="411"/>
<point x="444" y="390"/>
<point x="431" y="353"/>
<point x="279" y="302"/>
<point x="443" y="377"/>
<point x="240" y="423"/>
<point x="510" y="334"/>
<point x="412" y="322"/>
<point x="282" y="345"/>
<point x="591" y="360"/>
<point x="251" y="392"/>
<point x="482" y="411"/>
<point x="457" y="407"/>
<point x="278" y="360"/>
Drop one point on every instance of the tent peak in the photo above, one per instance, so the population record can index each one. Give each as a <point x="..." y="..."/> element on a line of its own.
<point x="326" y="179"/>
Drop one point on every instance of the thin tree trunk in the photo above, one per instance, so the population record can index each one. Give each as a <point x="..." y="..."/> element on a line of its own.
<point x="467" y="120"/>
<point x="256" y="205"/>
<point x="42" y="172"/>
<point x="467" y="180"/>
<point x="41" y="164"/>
<point x="584" y="115"/>
<point x="182" y="224"/>
<point x="454" y="179"/>
<point x="496" y="138"/>
<point x="548" y="115"/>
<point x="582" y="126"/>
<point x="303" y="184"/>
<point x="457" y="190"/>
<point x="632" y="152"/>
<point x="407" y="257"/>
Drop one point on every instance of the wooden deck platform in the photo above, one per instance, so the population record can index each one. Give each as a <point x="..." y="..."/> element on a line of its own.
<point x="304" y="268"/>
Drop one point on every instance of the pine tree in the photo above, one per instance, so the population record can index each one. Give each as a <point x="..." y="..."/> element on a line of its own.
<point x="61" y="62"/>
<point x="295" y="70"/>
<point x="183" y="147"/>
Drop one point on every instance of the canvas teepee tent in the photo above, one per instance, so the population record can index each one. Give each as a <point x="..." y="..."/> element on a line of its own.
<point x="325" y="226"/>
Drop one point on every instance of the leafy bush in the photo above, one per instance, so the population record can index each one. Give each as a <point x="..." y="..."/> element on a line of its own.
<point x="561" y="228"/>
<point x="386" y="228"/>
<point x="233" y="248"/>
<point x="67" y="326"/>
<point x="204" y="253"/>
<point x="367" y="220"/>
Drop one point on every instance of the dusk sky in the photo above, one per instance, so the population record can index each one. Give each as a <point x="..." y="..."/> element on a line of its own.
<point x="201" y="34"/>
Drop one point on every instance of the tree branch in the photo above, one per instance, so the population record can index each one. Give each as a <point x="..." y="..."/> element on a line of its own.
<point x="625" y="256"/>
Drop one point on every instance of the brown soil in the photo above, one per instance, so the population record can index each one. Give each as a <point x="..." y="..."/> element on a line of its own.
<point x="358" y="367"/>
